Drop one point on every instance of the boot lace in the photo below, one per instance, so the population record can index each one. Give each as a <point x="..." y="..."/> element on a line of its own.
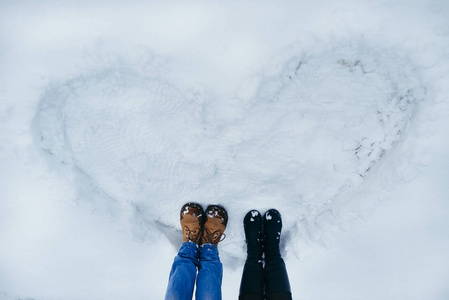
<point x="213" y="237"/>
<point x="191" y="235"/>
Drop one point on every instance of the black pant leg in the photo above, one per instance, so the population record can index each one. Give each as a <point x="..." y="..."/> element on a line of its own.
<point x="279" y="296"/>
<point x="252" y="284"/>
<point x="277" y="285"/>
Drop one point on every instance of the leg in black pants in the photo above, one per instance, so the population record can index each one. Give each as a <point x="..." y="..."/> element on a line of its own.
<point x="264" y="236"/>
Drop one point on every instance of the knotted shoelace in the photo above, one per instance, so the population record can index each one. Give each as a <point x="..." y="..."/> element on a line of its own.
<point x="213" y="237"/>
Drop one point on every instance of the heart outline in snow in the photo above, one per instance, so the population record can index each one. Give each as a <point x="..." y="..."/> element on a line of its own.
<point x="310" y="135"/>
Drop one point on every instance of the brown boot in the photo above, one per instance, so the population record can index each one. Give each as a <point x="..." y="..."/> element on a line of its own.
<point x="192" y="217"/>
<point x="215" y="225"/>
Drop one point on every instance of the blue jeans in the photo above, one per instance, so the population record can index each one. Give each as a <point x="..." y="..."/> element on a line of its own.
<point x="183" y="273"/>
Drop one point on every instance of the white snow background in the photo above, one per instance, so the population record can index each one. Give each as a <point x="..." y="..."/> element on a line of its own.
<point x="114" y="114"/>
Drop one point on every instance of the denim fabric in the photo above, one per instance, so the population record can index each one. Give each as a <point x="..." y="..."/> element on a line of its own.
<point x="210" y="274"/>
<point x="183" y="273"/>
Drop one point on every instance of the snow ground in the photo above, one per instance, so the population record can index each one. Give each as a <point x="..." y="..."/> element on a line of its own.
<point x="112" y="116"/>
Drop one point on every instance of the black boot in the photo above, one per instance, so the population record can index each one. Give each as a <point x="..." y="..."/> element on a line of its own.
<point x="277" y="285"/>
<point x="252" y="223"/>
<point x="252" y="285"/>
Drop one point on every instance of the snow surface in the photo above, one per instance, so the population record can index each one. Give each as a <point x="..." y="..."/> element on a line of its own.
<point x="114" y="115"/>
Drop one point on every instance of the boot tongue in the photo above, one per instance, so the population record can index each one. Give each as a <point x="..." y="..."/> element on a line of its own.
<point x="215" y="226"/>
<point x="191" y="227"/>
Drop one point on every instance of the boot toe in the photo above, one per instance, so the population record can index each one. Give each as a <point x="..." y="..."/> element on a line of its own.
<point x="272" y="215"/>
<point x="253" y="217"/>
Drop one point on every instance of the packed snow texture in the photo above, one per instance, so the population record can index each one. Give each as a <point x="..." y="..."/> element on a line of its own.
<point x="309" y="136"/>
<point x="113" y="116"/>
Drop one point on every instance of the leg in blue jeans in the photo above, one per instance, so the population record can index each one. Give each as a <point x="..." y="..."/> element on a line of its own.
<point x="210" y="274"/>
<point x="183" y="273"/>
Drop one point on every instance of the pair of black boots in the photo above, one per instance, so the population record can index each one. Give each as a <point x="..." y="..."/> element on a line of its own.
<point x="263" y="236"/>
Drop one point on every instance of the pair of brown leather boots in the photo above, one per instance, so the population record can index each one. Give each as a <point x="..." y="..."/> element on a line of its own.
<point x="203" y="227"/>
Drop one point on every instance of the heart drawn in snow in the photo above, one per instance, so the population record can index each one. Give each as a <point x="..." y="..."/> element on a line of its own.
<point x="310" y="133"/>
